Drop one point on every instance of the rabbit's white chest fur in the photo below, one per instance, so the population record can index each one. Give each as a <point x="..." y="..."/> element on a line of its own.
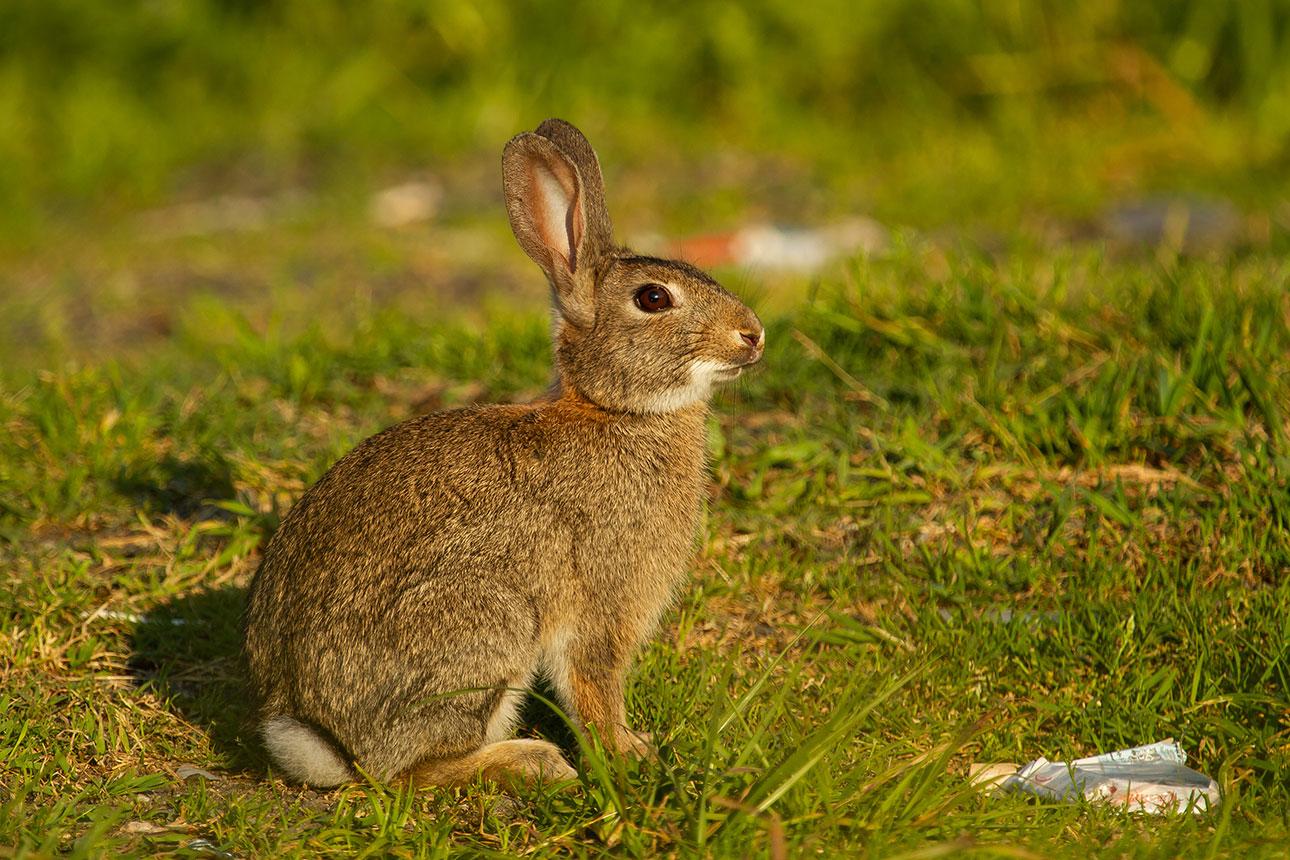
<point x="704" y="374"/>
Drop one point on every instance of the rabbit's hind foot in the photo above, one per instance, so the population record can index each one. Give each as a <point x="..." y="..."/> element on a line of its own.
<point x="509" y="764"/>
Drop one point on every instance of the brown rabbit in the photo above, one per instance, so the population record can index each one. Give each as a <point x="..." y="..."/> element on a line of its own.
<point x="414" y="593"/>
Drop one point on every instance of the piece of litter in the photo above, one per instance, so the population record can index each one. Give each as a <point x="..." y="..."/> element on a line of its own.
<point x="409" y="203"/>
<point x="187" y="771"/>
<point x="143" y="828"/>
<point x="225" y="214"/>
<point x="1152" y="778"/>
<point x="206" y="848"/>
<point x="984" y="775"/>
<point x="1185" y="222"/>
<point x="131" y="617"/>
<point x="795" y="249"/>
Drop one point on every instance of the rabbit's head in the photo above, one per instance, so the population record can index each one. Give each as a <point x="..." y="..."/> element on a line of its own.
<point x="632" y="333"/>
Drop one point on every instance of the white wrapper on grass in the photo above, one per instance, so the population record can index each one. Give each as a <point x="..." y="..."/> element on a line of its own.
<point x="1152" y="778"/>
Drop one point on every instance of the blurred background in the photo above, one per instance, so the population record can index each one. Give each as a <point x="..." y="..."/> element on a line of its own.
<point x="295" y="158"/>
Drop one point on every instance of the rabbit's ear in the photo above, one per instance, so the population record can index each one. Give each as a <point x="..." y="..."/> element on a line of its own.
<point x="600" y="231"/>
<point x="546" y="201"/>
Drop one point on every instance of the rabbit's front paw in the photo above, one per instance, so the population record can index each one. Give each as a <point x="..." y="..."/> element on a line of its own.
<point x="634" y="743"/>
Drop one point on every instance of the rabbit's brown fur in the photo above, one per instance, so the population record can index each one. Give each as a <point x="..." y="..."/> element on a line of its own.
<point x="417" y="589"/>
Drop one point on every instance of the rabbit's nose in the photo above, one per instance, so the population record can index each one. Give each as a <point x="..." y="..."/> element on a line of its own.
<point x="752" y="338"/>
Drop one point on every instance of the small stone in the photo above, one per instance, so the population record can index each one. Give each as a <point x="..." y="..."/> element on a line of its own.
<point x="187" y="771"/>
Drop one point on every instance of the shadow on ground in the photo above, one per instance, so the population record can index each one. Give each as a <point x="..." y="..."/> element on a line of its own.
<point x="188" y="650"/>
<point x="177" y="486"/>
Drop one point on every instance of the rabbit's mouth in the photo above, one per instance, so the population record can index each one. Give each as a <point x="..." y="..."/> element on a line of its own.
<point x="732" y="371"/>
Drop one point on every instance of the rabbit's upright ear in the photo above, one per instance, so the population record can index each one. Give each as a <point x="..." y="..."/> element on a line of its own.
<point x="600" y="231"/>
<point x="557" y="214"/>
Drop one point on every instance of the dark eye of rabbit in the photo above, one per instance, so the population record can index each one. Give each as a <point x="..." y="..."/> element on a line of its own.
<point x="652" y="298"/>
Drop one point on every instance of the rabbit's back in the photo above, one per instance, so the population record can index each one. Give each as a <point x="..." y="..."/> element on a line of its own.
<point x="509" y="487"/>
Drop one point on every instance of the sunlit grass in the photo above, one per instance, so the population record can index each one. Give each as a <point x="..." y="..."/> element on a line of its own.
<point x="969" y="509"/>
<point x="923" y="113"/>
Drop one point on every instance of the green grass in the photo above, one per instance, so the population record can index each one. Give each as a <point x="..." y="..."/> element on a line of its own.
<point x="978" y="505"/>
<point x="972" y="508"/>
<point x="922" y="112"/>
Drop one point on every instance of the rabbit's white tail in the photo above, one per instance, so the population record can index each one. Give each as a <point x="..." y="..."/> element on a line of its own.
<point x="303" y="754"/>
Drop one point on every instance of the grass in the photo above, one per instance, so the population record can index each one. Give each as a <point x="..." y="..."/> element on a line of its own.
<point x="998" y="493"/>
<point x="925" y="113"/>
<point x="973" y="508"/>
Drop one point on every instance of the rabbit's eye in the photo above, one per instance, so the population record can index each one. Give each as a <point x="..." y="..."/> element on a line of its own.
<point x="652" y="297"/>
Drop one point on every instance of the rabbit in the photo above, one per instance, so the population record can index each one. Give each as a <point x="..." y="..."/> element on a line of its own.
<point x="414" y="593"/>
